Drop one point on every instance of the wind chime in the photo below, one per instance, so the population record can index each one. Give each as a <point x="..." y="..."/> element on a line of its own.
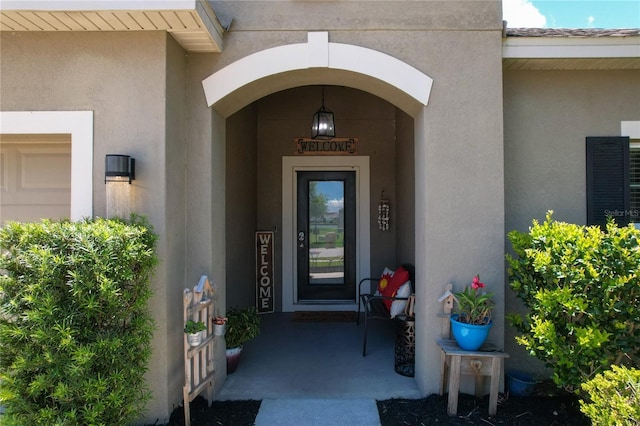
<point x="383" y="213"/>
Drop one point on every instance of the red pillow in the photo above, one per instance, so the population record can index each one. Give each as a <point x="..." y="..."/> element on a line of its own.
<point x="387" y="274"/>
<point x="400" y="276"/>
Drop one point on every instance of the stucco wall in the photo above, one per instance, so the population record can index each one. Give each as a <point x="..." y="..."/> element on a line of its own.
<point x="175" y="157"/>
<point x="242" y="210"/>
<point x="547" y="117"/>
<point x="404" y="208"/>
<point x="121" y="77"/>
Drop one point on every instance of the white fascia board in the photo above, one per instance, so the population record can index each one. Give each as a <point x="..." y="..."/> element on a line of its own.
<point x="571" y="47"/>
<point x="97" y="5"/>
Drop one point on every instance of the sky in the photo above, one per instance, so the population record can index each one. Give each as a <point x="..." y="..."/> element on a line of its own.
<point x="571" y="13"/>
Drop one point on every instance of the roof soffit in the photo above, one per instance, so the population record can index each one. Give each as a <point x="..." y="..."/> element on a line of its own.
<point x="191" y="22"/>
<point x="570" y="49"/>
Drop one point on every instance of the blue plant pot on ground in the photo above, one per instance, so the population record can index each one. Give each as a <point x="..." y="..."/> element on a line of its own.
<point x="519" y="383"/>
<point x="469" y="337"/>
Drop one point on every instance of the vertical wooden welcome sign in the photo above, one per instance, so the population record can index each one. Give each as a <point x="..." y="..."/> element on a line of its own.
<point x="264" y="272"/>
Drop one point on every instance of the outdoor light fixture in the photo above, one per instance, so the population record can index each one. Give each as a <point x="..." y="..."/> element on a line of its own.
<point x="119" y="168"/>
<point x="323" y="126"/>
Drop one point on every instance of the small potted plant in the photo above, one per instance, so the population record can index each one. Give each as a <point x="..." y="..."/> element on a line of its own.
<point x="471" y="324"/>
<point x="193" y="330"/>
<point x="219" y="325"/>
<point x="242" y="326"/>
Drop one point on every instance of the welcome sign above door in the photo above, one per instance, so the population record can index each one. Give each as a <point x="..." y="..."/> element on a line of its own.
<point x="335" y="146"/>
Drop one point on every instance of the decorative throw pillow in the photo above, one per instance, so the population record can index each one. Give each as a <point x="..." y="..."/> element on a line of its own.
<point x="400" y="276"/>
<point x="397" y="307"/>
<point x="385" y="278"/>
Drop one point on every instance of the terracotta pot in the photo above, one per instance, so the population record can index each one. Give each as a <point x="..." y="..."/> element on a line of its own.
<point x="233" y="358"/>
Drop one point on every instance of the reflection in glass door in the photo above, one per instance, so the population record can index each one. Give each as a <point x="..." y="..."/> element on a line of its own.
<point x="326" y="236"/>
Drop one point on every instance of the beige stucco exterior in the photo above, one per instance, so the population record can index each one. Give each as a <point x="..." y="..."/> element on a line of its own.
<point x="208" y="176"/>
<point x="548" y="114"/>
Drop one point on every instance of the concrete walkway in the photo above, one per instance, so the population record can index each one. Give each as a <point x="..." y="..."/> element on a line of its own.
<point x="318" y="412"/>
<point x="313" y="373"/>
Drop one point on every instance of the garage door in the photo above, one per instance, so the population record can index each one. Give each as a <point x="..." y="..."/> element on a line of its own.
<point x="35" y="177"/>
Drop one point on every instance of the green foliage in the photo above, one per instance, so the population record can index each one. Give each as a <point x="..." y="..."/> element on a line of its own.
<point x="582" y="287"/>
<point x="192" y="327"/>
<point x="614" y="397"/>
<point x="75" y="328"/>
<point x="242" y="326"/>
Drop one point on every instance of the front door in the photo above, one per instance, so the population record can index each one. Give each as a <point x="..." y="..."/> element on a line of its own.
<point x="326" y="236"/>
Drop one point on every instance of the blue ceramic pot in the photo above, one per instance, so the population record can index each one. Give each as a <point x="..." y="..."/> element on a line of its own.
<point x="469" y="336"/>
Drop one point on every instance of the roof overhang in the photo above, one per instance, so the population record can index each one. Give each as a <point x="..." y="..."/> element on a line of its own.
<point x="191" y="22"/>
<point x="571" y="53"/>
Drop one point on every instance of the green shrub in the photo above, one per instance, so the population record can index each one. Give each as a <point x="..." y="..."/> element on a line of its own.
<point x="614" y="397"/>
<point x="75" y="328"/>
<point x="582" y="288"/>
<point x="243" y="324"/>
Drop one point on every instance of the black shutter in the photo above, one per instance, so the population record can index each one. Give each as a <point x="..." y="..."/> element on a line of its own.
<point x="607" y="180"/>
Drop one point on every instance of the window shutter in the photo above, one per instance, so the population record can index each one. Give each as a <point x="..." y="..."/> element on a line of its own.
<point x="607" y="180"/>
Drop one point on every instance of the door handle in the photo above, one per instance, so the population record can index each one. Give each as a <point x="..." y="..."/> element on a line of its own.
<point x="301" y="238"/>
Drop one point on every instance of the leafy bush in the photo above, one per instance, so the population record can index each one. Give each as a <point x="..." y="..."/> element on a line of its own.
<point x="242" y="326"/>
<point x="582" y="288"/>
<point x="614" y="397"/>
<point x="75" y="328"/>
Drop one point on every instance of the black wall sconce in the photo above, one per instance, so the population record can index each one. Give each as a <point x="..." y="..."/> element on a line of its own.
<point x="323" y="126"/>
<point x="119" y="168"/>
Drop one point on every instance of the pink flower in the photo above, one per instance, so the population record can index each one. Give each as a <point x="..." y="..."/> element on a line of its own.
<point x="476" y="284"/>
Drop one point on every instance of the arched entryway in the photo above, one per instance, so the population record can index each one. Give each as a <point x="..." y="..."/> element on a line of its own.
<point x="238" y="93"/>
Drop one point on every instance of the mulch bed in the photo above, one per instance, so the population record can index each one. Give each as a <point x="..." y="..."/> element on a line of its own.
<point x="535" y="410"/>
<point x="221" y="413"/>
<point x="516" y="411"/>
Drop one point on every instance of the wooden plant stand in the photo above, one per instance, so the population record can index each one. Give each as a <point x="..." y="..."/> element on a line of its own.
<point x="477" y="363"/>
<point x="458" y="362"/>
<point x="198" y="360"/>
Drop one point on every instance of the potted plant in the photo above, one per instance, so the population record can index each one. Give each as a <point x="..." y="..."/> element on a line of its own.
<point x="471" y="324"/>
<point x="194" y="330"/>
<point x="219" y="325"/>
<point x="243" y="324"/>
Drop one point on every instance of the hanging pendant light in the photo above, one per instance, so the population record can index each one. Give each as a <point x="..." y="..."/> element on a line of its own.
<point x="323" y="126"/>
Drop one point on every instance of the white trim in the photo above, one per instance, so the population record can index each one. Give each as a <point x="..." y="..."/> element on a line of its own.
<point x="290" y="165"/>
<point x="79" y="124"/>
<point x="571" y="47"/>
<point x="317" y="53"/>
<point x="630" y="128"/>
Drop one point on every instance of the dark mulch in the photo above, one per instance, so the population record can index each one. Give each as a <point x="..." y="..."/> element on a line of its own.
<point x="516" y="411"/>
<point x="535" y="410"/>
<point x="220" y="413"/>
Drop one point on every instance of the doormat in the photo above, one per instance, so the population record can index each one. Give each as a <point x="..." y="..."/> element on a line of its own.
<point x="324" y="316"/>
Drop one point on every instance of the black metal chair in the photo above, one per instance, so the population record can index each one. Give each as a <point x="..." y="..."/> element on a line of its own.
<point x="373" y="305"/>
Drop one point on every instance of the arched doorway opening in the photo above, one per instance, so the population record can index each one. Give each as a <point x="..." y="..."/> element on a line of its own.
<point x="260" y="186"/>
<point x="244" y="89"/>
